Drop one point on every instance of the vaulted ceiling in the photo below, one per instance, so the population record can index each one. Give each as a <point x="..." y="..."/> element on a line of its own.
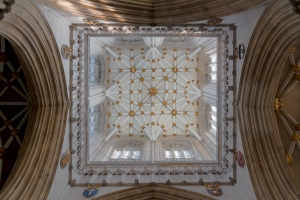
<point x="152" y="11"/>
<point x="155" y="97"/>
<point x="287" y="112"/>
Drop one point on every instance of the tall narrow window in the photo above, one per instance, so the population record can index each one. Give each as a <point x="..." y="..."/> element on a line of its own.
<point x="214" y="109"/>
<point x="92" y="119"/>
<point x="126" y="154"/>
<point x="92" y="109"/>
<point x="177" y="154"/>
<point x="213" y="77"/>
<point x="116" y="154"/>
<point x="187" y="154"/>
<point x="93" y="79"/>
<point x="213" y="67"/>
<point x="168" y="154"/>
<point x="214" y="127"/>
<point x="136" y="154"/>
<point x="213" y="58"/>
<point x="214" y="118"/>
<point x="92" y="129"/>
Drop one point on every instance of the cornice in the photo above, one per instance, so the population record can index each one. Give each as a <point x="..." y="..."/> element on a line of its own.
<point x="80" y="167"/>
<point x="275" y="32"/>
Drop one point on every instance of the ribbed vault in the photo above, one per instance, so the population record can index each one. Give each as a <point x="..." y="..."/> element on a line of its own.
<point x="31" y="37"/>
<point x="276" y="31"/>
<point x="152" y="11"/>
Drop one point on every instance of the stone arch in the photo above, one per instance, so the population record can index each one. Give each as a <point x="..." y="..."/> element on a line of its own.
<point x="275" y="32"/>
<point x="175" y="12"/>
<point x="31" y="37"/>
<point x="154" y="192"/>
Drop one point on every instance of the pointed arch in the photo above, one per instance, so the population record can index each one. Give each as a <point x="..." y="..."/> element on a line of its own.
<point x="275" y="32"/>
<point x="159" y="192"/>
<point x="32" y="39"/>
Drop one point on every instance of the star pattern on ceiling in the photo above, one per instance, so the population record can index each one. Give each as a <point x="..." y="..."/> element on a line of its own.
<point x="153" y="92"/>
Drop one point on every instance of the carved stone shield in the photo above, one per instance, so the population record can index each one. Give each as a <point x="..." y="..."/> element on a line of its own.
<point x="90" y="191"/>
<point x="239" y="157"/>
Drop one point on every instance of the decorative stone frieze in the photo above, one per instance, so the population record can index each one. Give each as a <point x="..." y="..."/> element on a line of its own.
<point x="159" y="171"/>
<point x="278" y="104"/>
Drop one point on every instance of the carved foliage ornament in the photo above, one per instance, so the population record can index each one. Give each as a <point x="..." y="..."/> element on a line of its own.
<point x="92" y="22"/>
<point x="214" y="22"/>
<point x="289" y="159"/>
<point x="278" y="104"/>
<point x="66" y="52"/>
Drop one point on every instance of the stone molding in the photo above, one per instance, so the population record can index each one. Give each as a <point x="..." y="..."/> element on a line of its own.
<point x="154" y="12"/>
<point x="154" y="192"/>
<point x="276" y="31"/>
<point x="31" y="37"/>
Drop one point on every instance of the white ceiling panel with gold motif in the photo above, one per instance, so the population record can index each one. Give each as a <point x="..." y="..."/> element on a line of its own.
<point x="153" y="92"/>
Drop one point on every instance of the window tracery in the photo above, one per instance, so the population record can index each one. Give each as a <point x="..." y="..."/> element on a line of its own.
<point x="178" y="151"/>
<point x="94" y="118"/>
<point x="126" y="152"/>
<point x="96" y="70"/>
<point x="212" y="123"/>
<point x="199" y="150"/>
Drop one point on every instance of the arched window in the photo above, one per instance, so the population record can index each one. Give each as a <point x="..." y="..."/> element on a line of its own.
<point x="212" y="66"/>
<point x="93" y="119"/>
<point x="214" y="109"/>
<point x="126" y="152"/>
<point x="178" y="151"/>
<point x="95" y="69"/>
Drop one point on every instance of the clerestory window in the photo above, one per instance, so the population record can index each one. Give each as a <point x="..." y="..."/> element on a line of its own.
<point x="214" y="109"/>
<point x="214" y="127"/>
<point x="179" y="153"/>
<point x="126" y="153"/>
<point x="214" y="118"/>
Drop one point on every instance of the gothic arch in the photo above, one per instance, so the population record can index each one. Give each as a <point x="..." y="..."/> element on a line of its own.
<point x="275" y="32"/>
<point x="154" y="192"/>
<point x="150" y="11"/>
<point x="31" y="37"/>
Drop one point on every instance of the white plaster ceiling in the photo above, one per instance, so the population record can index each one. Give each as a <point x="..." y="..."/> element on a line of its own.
<point x="170" y="73"/>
